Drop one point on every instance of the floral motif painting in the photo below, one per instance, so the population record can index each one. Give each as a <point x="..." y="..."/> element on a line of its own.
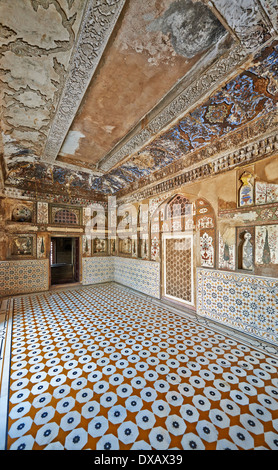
<point x="266" y="193"/>
<point x="42" y="212"/>
<point x="155" y="248"/>
<point x="99" y="246"/>
<point x="266" y="244"/>
<point x="206" y="250"/>
<point x="86" y="244"/>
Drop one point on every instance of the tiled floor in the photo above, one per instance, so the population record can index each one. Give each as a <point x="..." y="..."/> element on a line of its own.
<point x="104" y="368"/>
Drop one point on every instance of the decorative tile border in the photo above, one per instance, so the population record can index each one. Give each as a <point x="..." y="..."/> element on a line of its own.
<point x="242" y="301"/>
<point x="23" y="276"/>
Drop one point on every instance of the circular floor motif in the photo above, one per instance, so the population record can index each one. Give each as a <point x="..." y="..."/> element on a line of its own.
<point x="103" y="368"/>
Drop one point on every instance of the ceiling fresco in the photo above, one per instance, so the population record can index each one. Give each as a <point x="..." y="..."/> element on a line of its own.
<point x="250" y="95"/>
<point x="99" y="97"/>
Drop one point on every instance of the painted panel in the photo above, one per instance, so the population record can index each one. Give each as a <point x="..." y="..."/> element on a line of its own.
<point x="266" y="193"/>
<point x="266" y="244"/>
<point x="227" y="255"/>
<point x="42" y="212"/>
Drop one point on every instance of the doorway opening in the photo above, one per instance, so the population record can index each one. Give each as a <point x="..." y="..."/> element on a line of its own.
<point x="178" y="280"/>
<point x="64" y="260"/>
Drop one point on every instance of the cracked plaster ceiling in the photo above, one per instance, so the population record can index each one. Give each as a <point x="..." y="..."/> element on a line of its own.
<point x="99" y="95"/>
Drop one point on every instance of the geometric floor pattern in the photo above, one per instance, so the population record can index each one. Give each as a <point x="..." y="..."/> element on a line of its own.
<point x="102" y="368"/>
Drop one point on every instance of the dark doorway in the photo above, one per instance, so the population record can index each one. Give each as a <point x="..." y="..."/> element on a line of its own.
<point x="64" y="260"/>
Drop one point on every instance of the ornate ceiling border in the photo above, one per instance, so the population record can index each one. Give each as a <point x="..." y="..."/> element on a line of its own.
<point x="99" y="20"/>
<point x="256" y="144"/>
<point x="248" y="154"/>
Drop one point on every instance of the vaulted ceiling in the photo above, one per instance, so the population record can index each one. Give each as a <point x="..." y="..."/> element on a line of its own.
<point x="103" y="97"/>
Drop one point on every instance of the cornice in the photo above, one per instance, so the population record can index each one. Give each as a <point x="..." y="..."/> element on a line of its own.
<point x="251" y="152"/>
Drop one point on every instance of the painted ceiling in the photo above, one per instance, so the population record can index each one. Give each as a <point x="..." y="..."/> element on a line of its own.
<point x="99" y="97"/>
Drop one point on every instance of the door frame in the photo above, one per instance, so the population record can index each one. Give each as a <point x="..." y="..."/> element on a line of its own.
<point x="73" y="236"/>
<point x="178" y="235"/>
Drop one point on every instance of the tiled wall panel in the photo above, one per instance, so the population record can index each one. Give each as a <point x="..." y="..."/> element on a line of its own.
<point x="140" y="275"/>
<point x="242" y="301"/>
<point x="23" y="276"/>
<point x="97" y="269"/>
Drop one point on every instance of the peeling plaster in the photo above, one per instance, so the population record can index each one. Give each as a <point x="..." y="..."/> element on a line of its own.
<point x="192" y="27"/>
<point x="71" y="143"/>
<point x="36" y="43"/>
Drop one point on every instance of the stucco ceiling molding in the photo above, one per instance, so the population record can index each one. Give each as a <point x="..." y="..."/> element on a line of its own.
<point x="96" y="28"/>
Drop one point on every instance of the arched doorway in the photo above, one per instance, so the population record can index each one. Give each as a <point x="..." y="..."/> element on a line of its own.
<point x="182" y="238"/>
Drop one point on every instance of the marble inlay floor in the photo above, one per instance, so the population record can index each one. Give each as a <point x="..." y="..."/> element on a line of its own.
<point x="103" y="368"/>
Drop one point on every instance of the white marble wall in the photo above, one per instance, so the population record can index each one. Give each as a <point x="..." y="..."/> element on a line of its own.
<point x="97" y="269"/>
<point x="138" y="274"/>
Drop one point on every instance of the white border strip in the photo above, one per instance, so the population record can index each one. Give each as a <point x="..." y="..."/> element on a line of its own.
<point x="5" y="360"/>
